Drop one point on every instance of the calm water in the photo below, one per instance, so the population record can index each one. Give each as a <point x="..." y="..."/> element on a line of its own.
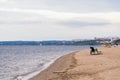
<point x="19" y="60"/>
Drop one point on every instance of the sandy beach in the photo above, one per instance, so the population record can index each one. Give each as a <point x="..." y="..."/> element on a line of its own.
<point x="83" y="66"/>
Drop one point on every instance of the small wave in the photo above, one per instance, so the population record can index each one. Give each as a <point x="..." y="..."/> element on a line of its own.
<point x="18" y="77"/>
<point x="27" y="77"/>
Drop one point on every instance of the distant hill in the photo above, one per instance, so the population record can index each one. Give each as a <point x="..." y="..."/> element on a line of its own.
<point x="19" y="43"/>
<point x="52" y="42"/>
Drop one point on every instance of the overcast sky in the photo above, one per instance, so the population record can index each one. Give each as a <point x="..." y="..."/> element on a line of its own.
<point x="58" y="19"/>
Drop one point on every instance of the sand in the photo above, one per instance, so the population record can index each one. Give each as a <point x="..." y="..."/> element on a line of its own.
<point x="83" y="66"/>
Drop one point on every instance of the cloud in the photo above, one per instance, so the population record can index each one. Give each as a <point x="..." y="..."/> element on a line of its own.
<point x="79" y="24"/>
<point x="44" y="24"/>
<point x="19" y="22"/>
<point x="31" y="16"/>
<point x="3" y="1"/>
<point x="113" y="16"/>
<point x="76" y="6"/>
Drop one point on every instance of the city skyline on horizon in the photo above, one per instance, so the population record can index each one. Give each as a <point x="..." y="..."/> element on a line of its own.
<point x="78" y="39"/>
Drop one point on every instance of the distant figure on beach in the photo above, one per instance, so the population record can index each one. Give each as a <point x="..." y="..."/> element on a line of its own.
<point x="92" y="50"/>
<point x="116" y="44"/>
<point x="107" y="45"/>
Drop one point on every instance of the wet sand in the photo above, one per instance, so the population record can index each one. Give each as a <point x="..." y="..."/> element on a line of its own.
<point x="83" y="66"/>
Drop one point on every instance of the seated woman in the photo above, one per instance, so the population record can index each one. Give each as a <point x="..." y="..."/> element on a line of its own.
<point x="94" y="50"/>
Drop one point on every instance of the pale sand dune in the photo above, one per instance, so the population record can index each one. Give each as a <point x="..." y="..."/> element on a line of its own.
<point x="83" y="66"/>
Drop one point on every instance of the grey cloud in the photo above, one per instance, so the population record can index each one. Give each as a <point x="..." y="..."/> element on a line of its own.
<point x="17" y="18"/>
<point x="67" y="5"/>
<point x="86" y="5"/>
<point x="19" y="22"/>
<point x="78" y="24"/>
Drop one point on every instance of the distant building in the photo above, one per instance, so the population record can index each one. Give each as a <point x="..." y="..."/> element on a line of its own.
<point x="103" y="40"/>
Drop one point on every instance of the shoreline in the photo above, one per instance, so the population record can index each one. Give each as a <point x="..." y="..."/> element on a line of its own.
<point x="30" y="75"/>
<point x="83" y="66"/>
<point x="56" y="66"/>
<point x="35" y="72"/>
